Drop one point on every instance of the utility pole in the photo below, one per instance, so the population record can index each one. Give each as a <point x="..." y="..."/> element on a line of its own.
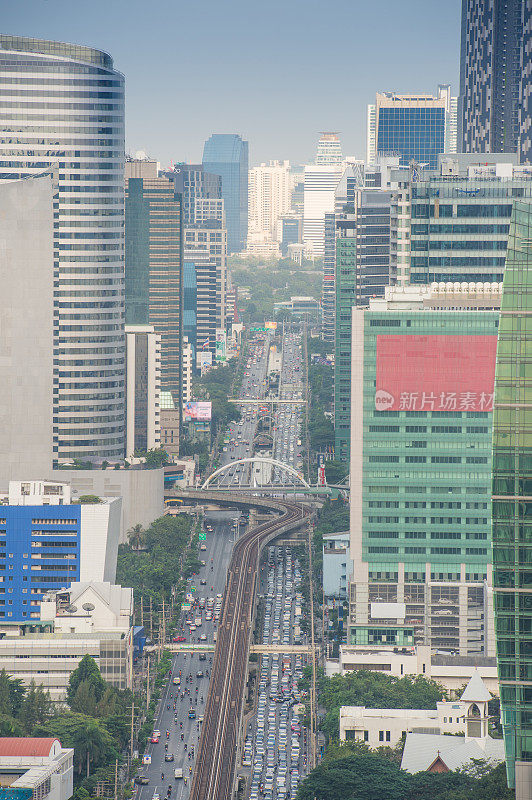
<point x="148" y="691"/>
<point x="116" y="779"/>
<point x="132" y="725"/>
<point x="151" y="619"/>
<point x="164" y="626"/>
<point x="141" y="611"/>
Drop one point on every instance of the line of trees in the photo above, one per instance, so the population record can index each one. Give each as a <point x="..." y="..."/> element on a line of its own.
<point x="352" y="771"/>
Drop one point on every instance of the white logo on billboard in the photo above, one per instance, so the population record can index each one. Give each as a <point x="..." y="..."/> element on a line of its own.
<point x="383" y="400"/>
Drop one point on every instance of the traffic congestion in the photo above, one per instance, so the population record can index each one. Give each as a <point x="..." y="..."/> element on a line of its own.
<point x="275" y="747"/>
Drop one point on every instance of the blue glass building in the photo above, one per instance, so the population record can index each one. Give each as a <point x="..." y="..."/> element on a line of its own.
<point x="226" y="154"/>
<point x="40" y="549"/>
<point x="415" y="133"/>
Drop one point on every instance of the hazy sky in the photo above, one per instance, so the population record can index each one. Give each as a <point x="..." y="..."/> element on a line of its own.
<point x="275" y="71"/>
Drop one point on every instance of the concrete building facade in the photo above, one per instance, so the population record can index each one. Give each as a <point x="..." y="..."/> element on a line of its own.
<point x="270" y="196"/>
<point x="26" y="367"/>
<point x="143" y="388"/>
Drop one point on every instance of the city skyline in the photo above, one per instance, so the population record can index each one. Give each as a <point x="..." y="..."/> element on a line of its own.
<point x="226" y="87"/>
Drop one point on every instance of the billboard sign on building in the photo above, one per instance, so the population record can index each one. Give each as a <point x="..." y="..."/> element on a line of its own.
<point x="435" y="373"/>
<point x="220" y="345"/>
<point x="270" y="326"/>
<point x="195" y="411"/>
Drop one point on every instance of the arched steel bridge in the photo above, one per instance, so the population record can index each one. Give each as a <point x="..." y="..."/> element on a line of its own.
<point x="286" y="469"/>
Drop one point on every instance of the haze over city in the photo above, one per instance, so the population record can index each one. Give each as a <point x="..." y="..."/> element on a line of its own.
<point x="278" y="73"/>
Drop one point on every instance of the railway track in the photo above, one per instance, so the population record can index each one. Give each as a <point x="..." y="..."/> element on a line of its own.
<point x="215" y="763"/>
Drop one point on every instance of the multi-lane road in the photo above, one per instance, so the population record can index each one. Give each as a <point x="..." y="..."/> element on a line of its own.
<point x="216" y="696"/>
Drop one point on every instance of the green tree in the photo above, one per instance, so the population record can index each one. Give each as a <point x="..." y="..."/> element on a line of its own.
<point x="355" y="777"/>
<point x="87" y="671"/>
<point x="92" y="743"/>
<point x="135" y="536"/>
<point x="36" y="707"/>
<point x="89" y="499"/>
<point x="12" y="693"/>
<point x="84" y="701"/>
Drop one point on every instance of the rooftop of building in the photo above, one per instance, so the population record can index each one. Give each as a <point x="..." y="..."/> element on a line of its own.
<point x="25" y="746"/>
<point x="47" y="47"/>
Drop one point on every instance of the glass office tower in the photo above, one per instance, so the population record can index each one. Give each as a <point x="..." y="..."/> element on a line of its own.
<point x="226" y="154"/>
<point x="495" y="75"/>
<point x="512" y="500"/>
<point x="62" y="106"/>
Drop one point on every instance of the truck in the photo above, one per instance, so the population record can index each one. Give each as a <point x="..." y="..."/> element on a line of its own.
<point x="178" y="773"/>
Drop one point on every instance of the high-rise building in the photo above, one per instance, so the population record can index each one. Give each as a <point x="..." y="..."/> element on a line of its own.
<point x="496" y="78"/>
<point x="511" y="507"/>
<point x="460" y="217"/>
<point x="270" y="196"/>
<point x="207" y="249"/>
<point x="154" y="262"/>
<point x="421" y="414"/>
<point x="329" y="150"/>
<point x="194" y="183"/>
<point x="74" y="123"/>
<point x="362" y="272"/>
<point x="320" y="182"/>
<point x="27" y="363"/>
<point x="226" y="154"/>
<point x="416" y="127"/>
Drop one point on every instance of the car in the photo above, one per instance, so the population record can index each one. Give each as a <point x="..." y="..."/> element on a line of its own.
<point x="203" y="582"/>
<point x="168" y="756"/>
<point x="202" y="656"/>
<point x="203" y="637"/>
<point x="199" y="674"/>
<point x="192" y="714"/>
<point x="203" y="546"/>
<point x="154" y="739"/>
<point x="142" y="780"/>
<point x="179" y="638"/>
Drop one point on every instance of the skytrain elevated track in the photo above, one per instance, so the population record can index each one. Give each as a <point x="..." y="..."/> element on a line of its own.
<point x="215" y="764"/>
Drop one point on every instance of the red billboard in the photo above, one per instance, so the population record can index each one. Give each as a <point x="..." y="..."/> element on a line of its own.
<point x="435" y="373"/>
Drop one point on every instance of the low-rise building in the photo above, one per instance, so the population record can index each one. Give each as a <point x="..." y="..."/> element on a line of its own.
<point x="451" y="671"/>
<point x="435" y="752"/>
<point x="87" y="618"/>
<point x="337" y="565"/>
<point x="378" y="727"/>
<point x="35" y="768"/>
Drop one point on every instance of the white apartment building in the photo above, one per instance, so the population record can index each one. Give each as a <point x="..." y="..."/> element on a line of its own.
<point x="41" y="765"/>
<point x="320" y="182"/>
<point x="187" y="357"/>
<point x="270" y="196"/>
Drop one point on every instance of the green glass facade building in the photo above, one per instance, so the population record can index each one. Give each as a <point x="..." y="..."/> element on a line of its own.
<point x="512" y="501"/>
<point x="421" y="431"/>
<point x="153" y="264"/>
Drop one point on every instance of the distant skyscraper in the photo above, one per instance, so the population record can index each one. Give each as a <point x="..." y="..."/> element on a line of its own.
<point x="226" y="154"/>
<point x="74" y="121"/>
<point x="496" y="77"/>
<point x="270" y="196"/>
<point x="416" y="127"/>
<point x="194" y="183"/>
<point x="154" y="263"/>
<point x="329" y="150"/>
<point x="320" y="182"/>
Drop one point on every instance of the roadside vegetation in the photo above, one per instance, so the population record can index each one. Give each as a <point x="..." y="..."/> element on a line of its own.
<point x="153" y="560"/>
<point x="272" y="281"/>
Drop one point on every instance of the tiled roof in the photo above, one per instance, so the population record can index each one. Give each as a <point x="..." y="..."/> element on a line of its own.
<point x="25" y="746"/>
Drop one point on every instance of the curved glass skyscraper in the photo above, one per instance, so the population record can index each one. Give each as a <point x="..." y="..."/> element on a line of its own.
<point x="62" y="107"/>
